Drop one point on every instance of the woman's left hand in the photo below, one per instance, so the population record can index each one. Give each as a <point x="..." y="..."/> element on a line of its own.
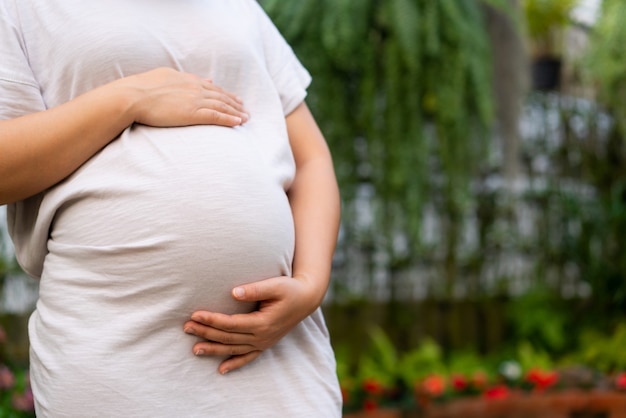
<point x="283" y="303"/>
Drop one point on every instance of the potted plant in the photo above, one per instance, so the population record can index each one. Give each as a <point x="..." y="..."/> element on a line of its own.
<point x="546" y="21"/>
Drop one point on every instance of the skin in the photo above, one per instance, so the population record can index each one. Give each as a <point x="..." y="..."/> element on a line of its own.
<point x="37" y="152"/>
<point x="283" y="301"/>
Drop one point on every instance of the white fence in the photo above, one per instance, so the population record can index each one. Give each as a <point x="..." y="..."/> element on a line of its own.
<point x="18" y="292"/>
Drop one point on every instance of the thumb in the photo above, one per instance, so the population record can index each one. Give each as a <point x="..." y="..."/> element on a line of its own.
<point x="258" y="291"/>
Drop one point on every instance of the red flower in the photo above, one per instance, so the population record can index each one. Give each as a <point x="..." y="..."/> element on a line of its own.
<point x="497" y="392"/>
<point x="370" y="405"/>
<point x="480" y="380"/>
<point x="542" y="380"/>
<point x="345" y="394"/>
<point x="434" y="385"/>
<point x="620" y="381"/>
<point x="458" y="382"/>
<point x="373" y="387"/>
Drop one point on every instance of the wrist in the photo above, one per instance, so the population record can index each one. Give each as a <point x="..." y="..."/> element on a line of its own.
<point x="128" y="100"/>
<point x="315" y="289"/>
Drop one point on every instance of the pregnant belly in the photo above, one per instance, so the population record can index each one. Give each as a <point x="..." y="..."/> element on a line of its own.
<point x="159" y="224"/>
<point x="176" y="217"/>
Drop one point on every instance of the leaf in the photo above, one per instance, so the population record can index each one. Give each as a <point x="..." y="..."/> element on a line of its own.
<point x="430" y="27"/>
<point x="406" y="24"/>
<point x="344" y="26"/>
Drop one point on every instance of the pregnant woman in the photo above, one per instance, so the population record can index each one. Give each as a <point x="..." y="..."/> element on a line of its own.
<point x="180" y="230"/>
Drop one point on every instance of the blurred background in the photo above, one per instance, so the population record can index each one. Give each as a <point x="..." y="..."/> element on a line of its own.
<point x="480" y="147"/>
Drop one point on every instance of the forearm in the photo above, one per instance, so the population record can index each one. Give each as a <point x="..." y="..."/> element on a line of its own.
<point x="315" y="204"/>
<point x="40" y="149"/>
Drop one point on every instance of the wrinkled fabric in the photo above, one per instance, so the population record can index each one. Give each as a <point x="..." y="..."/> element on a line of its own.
<point x="162" y="221"/>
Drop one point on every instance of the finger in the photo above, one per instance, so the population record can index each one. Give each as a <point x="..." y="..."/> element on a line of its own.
<point x="213" y="117"/>
<point x="224" y="107"/>
<point x="262" y="290"/>
<point x="210" y="348"/>
<point x="238" y="323"/>
<point x="224" y="98"/>
<point x="216" y="335"/>
<point x="236" y="362"/>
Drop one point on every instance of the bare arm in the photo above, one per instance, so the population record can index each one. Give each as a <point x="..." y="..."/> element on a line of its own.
<point x="41" y="149"/>
<point x="284" y="301"/>
<point x="314" y="199"/>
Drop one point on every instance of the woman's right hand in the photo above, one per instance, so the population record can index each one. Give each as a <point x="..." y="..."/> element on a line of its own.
<point x="39" y="151"/>
<point x="165" y="97"/>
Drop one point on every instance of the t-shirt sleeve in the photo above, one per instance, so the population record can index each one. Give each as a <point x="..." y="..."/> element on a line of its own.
<point x="290" y="77"/>
<point x="19" y="91"/>
<point x="19" y="95"/>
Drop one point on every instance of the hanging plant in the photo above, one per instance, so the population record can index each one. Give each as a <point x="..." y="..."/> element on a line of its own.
<point x="606" y="59"/>
<point x="402" y="91"/>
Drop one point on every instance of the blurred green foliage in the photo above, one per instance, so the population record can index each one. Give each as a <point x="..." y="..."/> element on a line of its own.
<point x="16" y="400"/>
<point x="537" y="317"/>
<point x="402" y="90"/>
<point x="604" y="352"/>
<point x="607" y="59"/>
<point x="385" y="376"/>
<point x="545" y="21"/>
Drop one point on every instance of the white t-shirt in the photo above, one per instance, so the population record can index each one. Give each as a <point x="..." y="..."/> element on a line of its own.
<point x="162" y="221"/>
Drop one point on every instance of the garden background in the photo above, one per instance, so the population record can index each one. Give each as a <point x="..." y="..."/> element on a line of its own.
<point x="480" y="149"/>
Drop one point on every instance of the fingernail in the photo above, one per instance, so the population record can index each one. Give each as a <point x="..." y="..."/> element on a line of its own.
<point x="239" y="292"/>
<point x="199" y="352"/>
<point x="223" y="372"/>
<point x="189" y="330"/>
